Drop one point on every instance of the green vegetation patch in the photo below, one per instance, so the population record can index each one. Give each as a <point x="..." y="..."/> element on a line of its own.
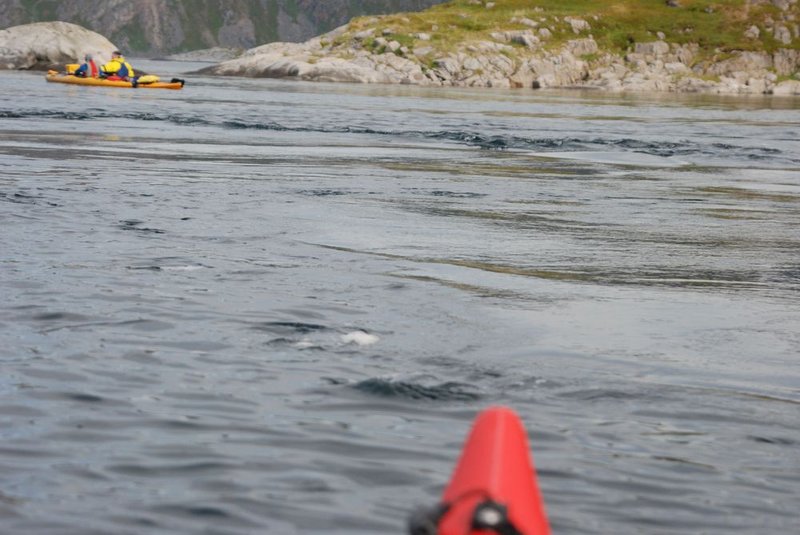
<point x="137" y="38"/>
<point x="717" y="26"/>
<point x="265" y="21"/>
<point x="40" y="10"/>
<point x="292" y="9"/>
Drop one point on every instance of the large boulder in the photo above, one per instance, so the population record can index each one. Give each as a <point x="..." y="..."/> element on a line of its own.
<point x="303" y="61"/>
<point x="300" y="66"/>
<point x="43" y="45"/>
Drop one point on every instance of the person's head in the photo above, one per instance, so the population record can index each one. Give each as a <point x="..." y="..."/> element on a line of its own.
<point x="116" y="54"/>
<point x="87" y="57"/>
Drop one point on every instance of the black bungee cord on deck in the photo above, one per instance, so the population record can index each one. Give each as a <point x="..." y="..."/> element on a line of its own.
<point x="488" y="515"/>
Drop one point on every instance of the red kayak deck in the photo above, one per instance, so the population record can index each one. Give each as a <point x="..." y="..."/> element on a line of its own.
<point x="493" y="489"/>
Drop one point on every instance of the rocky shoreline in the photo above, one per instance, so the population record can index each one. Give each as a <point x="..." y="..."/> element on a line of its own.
<point x="522" y="59"/>
<point x="370" y="53"/>
<point x="653" y="66"/>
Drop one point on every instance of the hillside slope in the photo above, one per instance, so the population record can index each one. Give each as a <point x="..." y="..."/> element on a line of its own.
<point x="148" y="27"/>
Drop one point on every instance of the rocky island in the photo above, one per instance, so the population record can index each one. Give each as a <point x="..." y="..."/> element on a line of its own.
<point x="749" y="46"/>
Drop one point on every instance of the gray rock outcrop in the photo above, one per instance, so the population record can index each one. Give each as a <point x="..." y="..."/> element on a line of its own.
<point x="542" y="50"/>
<point x="516" y="59"/>
<point x="44" y="45"/>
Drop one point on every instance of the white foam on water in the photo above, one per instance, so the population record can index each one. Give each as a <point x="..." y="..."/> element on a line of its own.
<point x="359" y="338"/>
<point x="182" y="268"/>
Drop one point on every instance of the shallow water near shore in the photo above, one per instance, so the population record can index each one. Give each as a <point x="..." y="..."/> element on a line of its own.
<point x="260" y="306"/>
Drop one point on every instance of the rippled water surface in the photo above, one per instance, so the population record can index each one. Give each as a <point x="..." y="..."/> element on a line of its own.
<point x="258" y="306"/>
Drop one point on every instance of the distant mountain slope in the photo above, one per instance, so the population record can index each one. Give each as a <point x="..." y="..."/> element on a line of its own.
<point x="167" y="26"/>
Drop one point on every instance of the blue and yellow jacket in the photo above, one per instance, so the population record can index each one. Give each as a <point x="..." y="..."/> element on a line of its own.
<point x="118" y="66"/>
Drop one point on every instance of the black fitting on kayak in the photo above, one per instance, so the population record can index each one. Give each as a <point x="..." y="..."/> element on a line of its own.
<point x="487" y="516"/>
<point x="493" y="516"/>
<point x="426" y="521"/>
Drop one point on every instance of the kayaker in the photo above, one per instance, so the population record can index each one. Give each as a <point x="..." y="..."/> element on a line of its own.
<point x="88" y="69"/>
<point x="118" y="68"/>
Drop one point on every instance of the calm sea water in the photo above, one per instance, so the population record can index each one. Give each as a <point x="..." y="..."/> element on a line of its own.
<point x="259" y="306"/>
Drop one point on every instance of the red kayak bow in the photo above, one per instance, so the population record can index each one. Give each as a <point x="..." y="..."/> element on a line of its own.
<point x="493" y="489"/>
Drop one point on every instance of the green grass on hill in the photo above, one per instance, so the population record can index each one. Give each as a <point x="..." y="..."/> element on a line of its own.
<point x="717" y="26"/>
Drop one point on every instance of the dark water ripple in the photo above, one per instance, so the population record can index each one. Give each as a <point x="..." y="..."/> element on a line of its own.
<point x="449" y="391"/>
<point x="255" y="306"/>
<point x="660" y="148"/>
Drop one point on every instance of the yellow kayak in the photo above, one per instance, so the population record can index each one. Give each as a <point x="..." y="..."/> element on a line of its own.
<point x="175" y="83"/>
